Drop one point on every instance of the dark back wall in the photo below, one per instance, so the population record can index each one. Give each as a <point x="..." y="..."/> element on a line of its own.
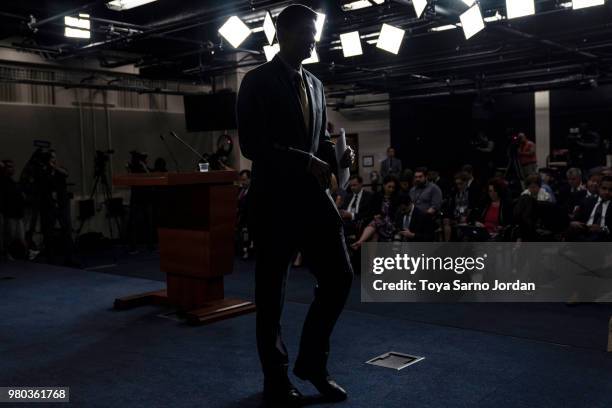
<point x="436" y="132"/>
<point x="570" y="107"/>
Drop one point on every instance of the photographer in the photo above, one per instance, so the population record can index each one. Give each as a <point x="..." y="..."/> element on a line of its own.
<point x="55" y="209"/>
<point x="586" y="147"/>
<point x="2" y="253"/>
<point x="526" y="155"/>
<point x="12" y="212"/>
<point x="483" y="154"/>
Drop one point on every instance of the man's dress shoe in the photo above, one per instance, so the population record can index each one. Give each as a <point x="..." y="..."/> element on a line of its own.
<point x="283" y="393"/>
<point x="328" y="388"/>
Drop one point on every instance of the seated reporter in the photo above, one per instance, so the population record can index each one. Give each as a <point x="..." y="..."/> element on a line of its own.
<point x="593" y="220"/>
<point x="412" y="224"/>
<point x="496" y="211"/>
<point x="356" y="208"/>
<point x="533" y="185"/>
<point x="384" y="206"/>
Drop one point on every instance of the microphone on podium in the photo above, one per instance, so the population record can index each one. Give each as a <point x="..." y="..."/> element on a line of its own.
<point x="178" y="169"/>
<point x="187" y="145"/>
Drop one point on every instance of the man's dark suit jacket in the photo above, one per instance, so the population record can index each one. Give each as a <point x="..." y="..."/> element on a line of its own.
<point x="420" y="224"/>
<point x="584" y="212"/>
<point x="365" y="206"/>
<point x="271" y="126"/>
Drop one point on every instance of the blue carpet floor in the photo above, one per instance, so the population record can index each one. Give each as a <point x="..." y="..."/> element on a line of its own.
<point x="584" y="326"/>
<point x="58" y="329"/>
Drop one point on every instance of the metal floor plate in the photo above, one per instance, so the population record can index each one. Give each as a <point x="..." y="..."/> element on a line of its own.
<point x="394" y="360"/>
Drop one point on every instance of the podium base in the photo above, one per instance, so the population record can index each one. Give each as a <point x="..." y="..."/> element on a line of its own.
<point x="209" y="312"/>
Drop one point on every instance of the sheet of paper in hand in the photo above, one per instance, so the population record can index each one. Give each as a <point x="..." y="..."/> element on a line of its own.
<point x="343" y="174"/>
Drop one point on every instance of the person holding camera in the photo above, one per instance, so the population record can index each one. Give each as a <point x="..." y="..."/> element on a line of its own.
<point x="55" y="220"/>
<point x="527" y="155"/>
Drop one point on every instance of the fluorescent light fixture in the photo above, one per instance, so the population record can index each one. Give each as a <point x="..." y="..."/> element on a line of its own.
<point x="77" y="27"/>
<point x="446" y="27"/>
<point x="351" y="44"/>
<point x="120" y="5"/>
<point x="495" y="17"/>
<point x="419" y="7"/>
<point x="469" y="2"/>
<point x="371" y="35"/>
<point x="379" y="1"/>
<point x="314" y="58"/>
<point x="566" y="5"/>
<point x="269" y="28"/>
<point x="319" y="25"/>
<point x="372" y="41"/>
<point x="356" y="5"/>
<point x="76" y="33"/>
<point x="390" y="38"/>
<point x="234" y="31"/>
<point x="271" y="51"/>
<point x="257" y="29"/>
<point x="519" y="8"/>
<point x="75" y="22"/>
<point x="472" y="21"/>
<point x="580" y="4"/>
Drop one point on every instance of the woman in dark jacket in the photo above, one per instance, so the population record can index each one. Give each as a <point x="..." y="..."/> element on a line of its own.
<point x="496" y="212"/>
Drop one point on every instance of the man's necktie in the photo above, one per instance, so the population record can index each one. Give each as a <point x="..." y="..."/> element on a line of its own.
<point x="301" y="88"/>
<point x="597" y="214"/>
<point x="353" y="206"/>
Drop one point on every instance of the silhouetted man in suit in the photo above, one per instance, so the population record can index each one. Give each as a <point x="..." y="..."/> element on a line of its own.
<point x="281" y="123"/>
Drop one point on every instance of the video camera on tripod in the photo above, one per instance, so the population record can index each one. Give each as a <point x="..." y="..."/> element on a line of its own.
<point x="100" y="162"/>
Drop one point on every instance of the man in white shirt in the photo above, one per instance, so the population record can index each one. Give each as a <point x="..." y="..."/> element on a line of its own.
<point x="593" y="220"/>
<point x="356" y="207"/>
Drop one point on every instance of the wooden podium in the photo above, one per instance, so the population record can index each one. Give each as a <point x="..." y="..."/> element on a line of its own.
<point x="196" y="243"/>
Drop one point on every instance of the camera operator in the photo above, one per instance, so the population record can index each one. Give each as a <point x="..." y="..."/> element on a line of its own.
<point x="12" y="212"/>
<point x="141" y="205"/>
<point x="483" y="154"/>
<point x="586" y="147"/>
<point x="527" y="155"/>
<point x="2" y="253"/>
<point x="54" y="208"/>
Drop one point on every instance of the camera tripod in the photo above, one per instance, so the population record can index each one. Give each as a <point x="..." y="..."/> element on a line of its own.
<point x="101" y="180"/>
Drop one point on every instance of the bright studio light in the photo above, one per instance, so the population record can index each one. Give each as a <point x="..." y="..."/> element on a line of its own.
<point x="390" y="38"/>
<point x="419" y="7"/>
<point x="76" y="33"/>
<point x="319" y="26"/>
<point x="351" y="44"/>
<point x="471" y="21"/>
<point x="77" y="27"/>
<point x="356" y="5"/>
<point x="120" y="5"/>
<point x="580" y="4"/>
<point x="469" y="2"/>
<point x="235" y="31"/>
<point x="271" y="51"/>
<point x="445" y="27"/>
<point x="519" y="8"/>
<point x="269" y="29"/>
